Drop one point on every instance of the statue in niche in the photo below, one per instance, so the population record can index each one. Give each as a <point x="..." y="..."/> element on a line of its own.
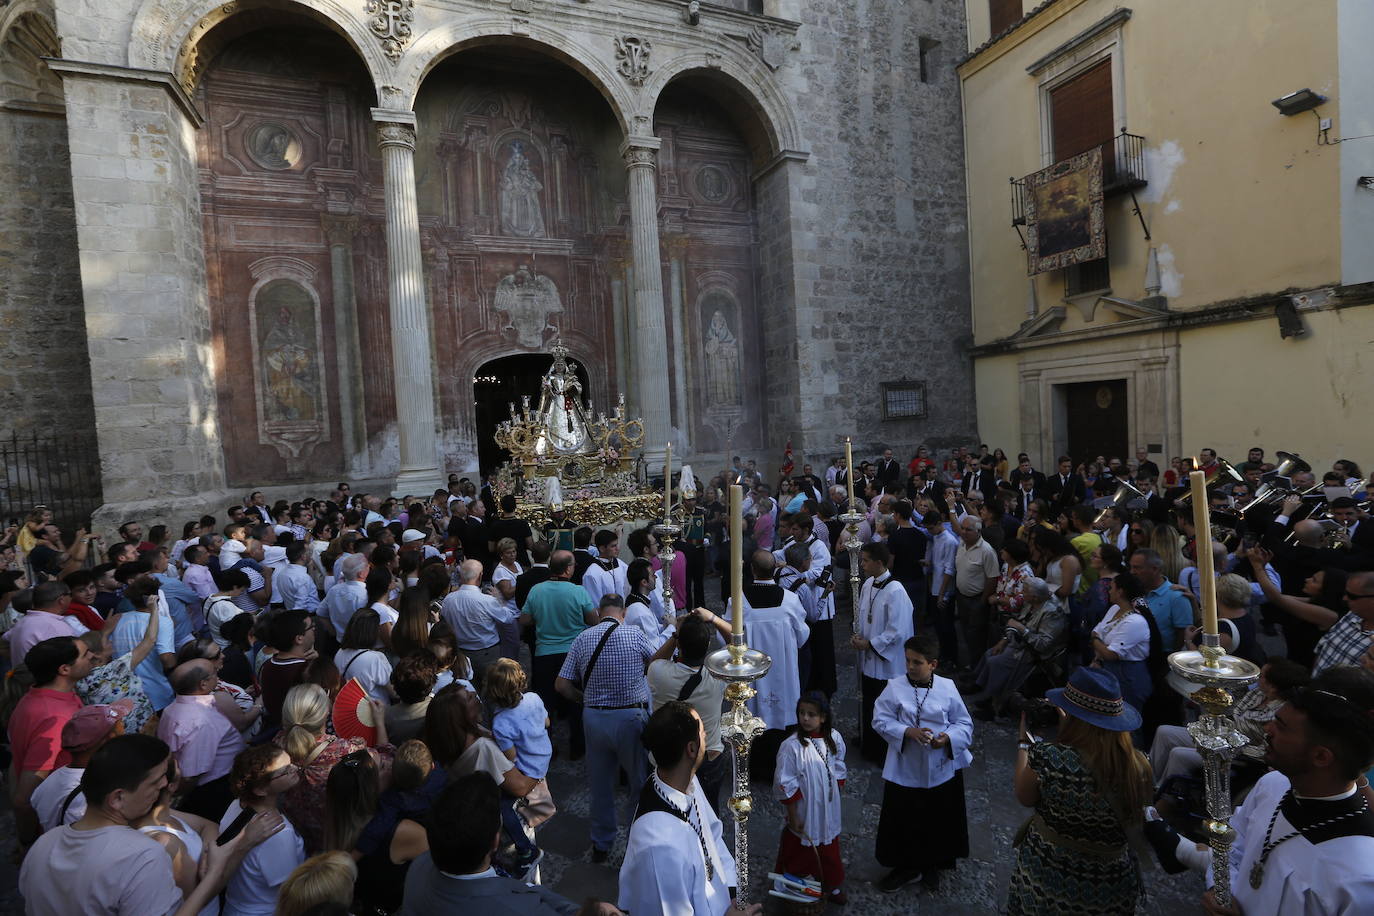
<point x="722" y="362"/>
<point x="520" y="210"/>
<point x="529" y="300"/>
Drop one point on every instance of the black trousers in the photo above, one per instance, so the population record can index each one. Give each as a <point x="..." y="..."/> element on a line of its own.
<point x="822" y="645"/>
<point x="696" y="574"/>
<point x="546" y="668"/>
<point x="871" y="744"/>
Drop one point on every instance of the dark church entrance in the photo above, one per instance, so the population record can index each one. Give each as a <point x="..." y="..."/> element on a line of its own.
<point x="500" y="383"/>
<point x="1097" y="422"/>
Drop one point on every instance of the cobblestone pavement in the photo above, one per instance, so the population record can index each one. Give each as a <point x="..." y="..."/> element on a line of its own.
<point x="978" y="885"/>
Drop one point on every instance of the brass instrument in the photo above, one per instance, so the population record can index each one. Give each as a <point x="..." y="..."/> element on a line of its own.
<point x="1223" y="467"/>
<point x="1125" y="493"/>
<point x="1271" y="491"/>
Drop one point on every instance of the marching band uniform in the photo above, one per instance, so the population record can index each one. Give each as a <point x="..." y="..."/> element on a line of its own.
<point x="1301" y="855"/>
<point x="885" y="621"/>
<point x="676" y="861"/>
<point x="921" y="784"/>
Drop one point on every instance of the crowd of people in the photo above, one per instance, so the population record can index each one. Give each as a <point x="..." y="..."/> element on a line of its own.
<point x="348" y="704"/>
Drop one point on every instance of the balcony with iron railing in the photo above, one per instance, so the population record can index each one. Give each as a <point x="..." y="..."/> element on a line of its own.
<point x="1123" y="171"/>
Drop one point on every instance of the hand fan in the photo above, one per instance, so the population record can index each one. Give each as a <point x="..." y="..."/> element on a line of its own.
<point x="353" y="713"/>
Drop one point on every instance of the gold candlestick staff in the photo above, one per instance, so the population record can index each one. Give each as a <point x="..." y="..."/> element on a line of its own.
<point x="1219" y="676"/>
<point x="851" y="519"/>
<point x="669" y="530"/>
<point x="739" y="666"/>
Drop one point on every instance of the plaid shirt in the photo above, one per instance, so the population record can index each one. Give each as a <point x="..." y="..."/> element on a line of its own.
<point x="1344" y="644"/>
<point x="618" y="678"/>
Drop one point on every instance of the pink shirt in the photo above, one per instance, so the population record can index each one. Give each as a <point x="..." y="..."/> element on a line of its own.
<point x="197" y="575"/>
<point x="202" y="739"/>
<point x="36" y="626"/>
<point x="36" y="728"/>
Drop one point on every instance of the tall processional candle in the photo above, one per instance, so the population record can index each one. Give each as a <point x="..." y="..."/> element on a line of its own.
<point x="668" y="484"/>
<point x="849" y="468"/>
<point x="736" y="559"/>
<point x="1202" y="546"/>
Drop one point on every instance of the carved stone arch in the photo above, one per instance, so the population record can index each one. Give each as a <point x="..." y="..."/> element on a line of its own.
<point x="748" y="91"/>
<point x="442" y="42"/>
<point x="168" y="34"/>
<point x="27" y="35"/>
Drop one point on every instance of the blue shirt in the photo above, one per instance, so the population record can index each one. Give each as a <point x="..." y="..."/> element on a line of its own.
<point x="522" y="727"/>
<point x="128" y="633"/>
<point x="340" y="603"/>
<point x="1173" y="613"/>
<point x="178" y="595"/>
<point x="618" y="678"/>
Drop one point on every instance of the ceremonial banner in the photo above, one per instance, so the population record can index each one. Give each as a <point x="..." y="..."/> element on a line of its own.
<point x="1064" y="216"/>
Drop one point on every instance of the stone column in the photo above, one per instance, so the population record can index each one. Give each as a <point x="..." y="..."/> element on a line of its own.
<point x="339" y="230"/>
<point x="410" y="355"/>
<point x="135" y="185"/>
<point x="650" y="338"/>
<point x="677" y="308"/>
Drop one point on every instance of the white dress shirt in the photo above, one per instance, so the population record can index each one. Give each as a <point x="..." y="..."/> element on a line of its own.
<point x="473" y="615"/>
<point x="295" y="589"/>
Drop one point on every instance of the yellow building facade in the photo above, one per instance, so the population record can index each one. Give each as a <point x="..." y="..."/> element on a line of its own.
<point x="1235" y="304"/>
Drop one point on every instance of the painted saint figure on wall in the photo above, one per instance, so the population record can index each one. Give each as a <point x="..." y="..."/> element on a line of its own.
<point x="288" y="368"/>
<point x="722" y="362"/>
<point x="521" y="213"/>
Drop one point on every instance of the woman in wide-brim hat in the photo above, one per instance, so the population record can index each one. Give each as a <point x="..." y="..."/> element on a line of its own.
<point x="1088" y="788"/>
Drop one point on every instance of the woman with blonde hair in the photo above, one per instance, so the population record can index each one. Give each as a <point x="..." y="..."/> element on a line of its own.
<point x="325" y="878"/>
<point x="304" y="715"/>
<point x="1168" y="543"/>
<point x="503" y="577"/>
<point x="1089" y="789"/>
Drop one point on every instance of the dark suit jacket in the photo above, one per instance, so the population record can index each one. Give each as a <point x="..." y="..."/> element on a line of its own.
<point x="1014" y="478"/>
<point x="1070" y="494"/>
<point x="581" y="560"/>
<point x="888" y="471"/>
<point x="429" y="893"/>
<point x="984" y="481"/>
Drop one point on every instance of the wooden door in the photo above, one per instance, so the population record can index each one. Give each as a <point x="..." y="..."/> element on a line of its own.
<point x="1097" y="422"/>
<point x="1081" y="116"/>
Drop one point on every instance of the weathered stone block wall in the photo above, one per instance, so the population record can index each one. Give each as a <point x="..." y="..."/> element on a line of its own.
<point x="45" y="371"/>
<point x="880" y="223"/>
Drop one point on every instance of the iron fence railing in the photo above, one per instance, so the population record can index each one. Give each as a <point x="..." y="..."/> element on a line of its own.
<point x="1123" y="169"/>
<point x="60" y="472"/>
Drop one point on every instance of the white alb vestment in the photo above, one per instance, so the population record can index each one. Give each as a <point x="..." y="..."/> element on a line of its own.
<point x="806" y="765"/>
<point x="938" y="708"/>
<point x="647" y="614"/>
<point x="599" y="580"/>
<point x="885" y="621"/>
<point x="665" y="866"/>
<point x="795" y="582"/>
<point x="1335" y="876"/>
<point x="820" y="563"/>
<point x="775" y="624"/>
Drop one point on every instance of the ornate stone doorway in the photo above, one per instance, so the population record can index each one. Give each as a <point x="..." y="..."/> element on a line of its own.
<point x="498" y="384"/>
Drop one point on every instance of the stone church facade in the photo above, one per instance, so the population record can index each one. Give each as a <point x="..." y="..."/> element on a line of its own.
<point x="283" y="242"/>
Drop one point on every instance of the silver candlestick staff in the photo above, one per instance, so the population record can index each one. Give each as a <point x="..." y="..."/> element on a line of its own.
<point x="852" y="519"/>
<point x="1217" y="739"/>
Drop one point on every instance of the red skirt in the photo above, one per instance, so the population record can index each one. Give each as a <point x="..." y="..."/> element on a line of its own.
<point x="794" y="858"/>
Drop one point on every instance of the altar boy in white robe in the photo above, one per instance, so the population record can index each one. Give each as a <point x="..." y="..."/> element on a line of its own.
<point x="676" y="860"/>
<point x="775" y="624"/>
<point x="644" y="605"/>
<point x="810" y="775"/>
<point x="923" y="825"/>
<point x="1305" y="835"/>
<point x="607" y="573"/>
<point x="884" y="626"/>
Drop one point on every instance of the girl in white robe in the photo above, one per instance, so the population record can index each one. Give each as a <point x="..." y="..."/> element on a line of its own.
<point x="810" y="774"/>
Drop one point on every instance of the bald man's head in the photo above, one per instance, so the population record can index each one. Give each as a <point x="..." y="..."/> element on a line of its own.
<point x="763" y="564"/>
<point x="193" y="677"/>
<point x="1309" y="533"/>
<point x="470" y="571"/>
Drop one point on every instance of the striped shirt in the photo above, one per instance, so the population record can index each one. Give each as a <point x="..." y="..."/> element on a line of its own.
<point x="1344" y="644"/>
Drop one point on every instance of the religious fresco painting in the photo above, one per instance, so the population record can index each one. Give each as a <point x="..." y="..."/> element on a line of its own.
<point x="1065" y="222"/>
<point x="289" y="383"/>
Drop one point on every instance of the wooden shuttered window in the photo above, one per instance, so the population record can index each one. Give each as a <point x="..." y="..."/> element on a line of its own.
<point x="1004" y="14"/>
<point x="1081" y="115"/>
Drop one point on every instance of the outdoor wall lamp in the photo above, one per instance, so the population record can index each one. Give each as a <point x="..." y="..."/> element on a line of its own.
<point x="1298" y="102"/>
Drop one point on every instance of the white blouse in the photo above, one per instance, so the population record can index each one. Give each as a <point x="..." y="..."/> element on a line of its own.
<point x="1128" y="637"/>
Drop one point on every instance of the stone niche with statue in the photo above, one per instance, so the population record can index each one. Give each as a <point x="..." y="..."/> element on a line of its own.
<point x="562" y="458"/>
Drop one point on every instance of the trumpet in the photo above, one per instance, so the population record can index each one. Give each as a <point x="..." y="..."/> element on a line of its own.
<point x="1223" y="467"/>
<point x="1125" y="494"/>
